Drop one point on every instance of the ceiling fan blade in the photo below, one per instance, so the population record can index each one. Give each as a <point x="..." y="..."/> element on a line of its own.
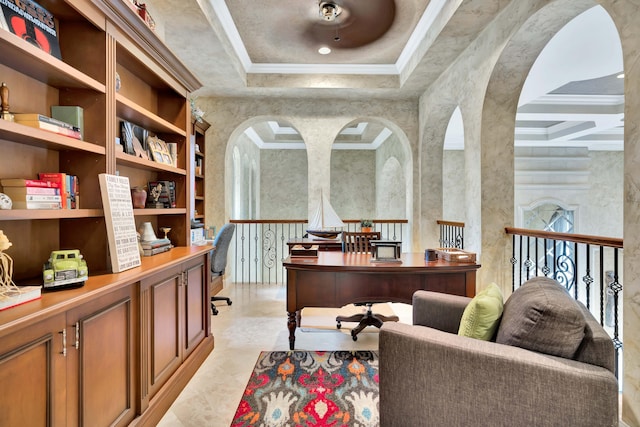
<point x="360" y="23"/>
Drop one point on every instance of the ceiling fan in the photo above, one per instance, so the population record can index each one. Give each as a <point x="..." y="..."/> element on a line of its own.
<point x="347" y="24"/>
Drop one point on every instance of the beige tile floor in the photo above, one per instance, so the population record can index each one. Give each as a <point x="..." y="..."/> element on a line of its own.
<point x="255" y="322"/>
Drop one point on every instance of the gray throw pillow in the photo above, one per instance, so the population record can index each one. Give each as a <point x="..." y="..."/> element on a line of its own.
<point x="541" y="316"/>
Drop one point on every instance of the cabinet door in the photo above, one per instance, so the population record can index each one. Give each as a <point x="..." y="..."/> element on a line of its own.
<point x="101" y="375"/>
<point x="161" y="334"/>
<point x="196" y="306"/>
<point x="32" y="375"/>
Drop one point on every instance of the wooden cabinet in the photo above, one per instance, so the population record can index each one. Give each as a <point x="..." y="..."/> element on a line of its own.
<point x="175" y="321"/>
<point x="100" y="356"/>
<point x="56" y="371"/>
<point x="115" y="352"/>
<point x="119" y="349"/>
<point x="33" y="374"/>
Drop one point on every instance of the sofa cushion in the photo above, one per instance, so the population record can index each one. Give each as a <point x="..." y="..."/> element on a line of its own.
<point x="481" y="316"/>
<point x="543" y="317"/>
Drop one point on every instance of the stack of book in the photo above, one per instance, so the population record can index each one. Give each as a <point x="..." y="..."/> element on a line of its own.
<point x="154" y="247"/>
<point x="32" y="193"/>
<point x="43" y="122"/>
<point x="69" y="187"/>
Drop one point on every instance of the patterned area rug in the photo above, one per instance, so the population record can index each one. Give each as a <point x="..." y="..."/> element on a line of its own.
<point x="311" y="388"/>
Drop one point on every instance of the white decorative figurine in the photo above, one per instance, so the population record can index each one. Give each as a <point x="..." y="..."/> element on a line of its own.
<point x="5" y="201"/>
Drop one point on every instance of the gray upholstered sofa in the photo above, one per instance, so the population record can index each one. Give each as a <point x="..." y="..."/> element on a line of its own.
<point x="430" y="376"/>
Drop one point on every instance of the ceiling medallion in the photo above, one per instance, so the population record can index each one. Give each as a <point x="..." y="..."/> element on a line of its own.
<point x="329" y="11"/>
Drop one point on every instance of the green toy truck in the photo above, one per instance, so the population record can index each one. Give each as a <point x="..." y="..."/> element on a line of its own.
<point x="65" y="269"/>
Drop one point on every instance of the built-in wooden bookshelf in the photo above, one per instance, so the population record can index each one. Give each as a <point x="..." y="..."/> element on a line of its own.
<point x="97" y="40"/>
<point x="199" y="131"/>
<point x="150" y="324"/>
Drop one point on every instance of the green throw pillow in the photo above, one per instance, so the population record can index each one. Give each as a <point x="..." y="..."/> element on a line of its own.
<point x="482" y="315"/>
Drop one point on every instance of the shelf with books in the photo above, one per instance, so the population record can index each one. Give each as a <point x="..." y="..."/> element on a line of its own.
<point x="18" y="133"/>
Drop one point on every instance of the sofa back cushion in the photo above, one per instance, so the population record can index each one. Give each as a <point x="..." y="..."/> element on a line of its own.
<point x="541" y="316"/>
<point x="597" y="346"/>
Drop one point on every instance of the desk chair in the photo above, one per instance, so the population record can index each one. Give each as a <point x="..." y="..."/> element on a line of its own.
<point x="219" y="259"/>
<point x="355" y="242"/>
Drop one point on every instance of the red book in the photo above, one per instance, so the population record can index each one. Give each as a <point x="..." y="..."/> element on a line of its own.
<point x="21" y="182"/>
<point x="59" y="178"/>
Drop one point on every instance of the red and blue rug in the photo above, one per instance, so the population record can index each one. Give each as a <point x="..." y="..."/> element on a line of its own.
<point x="311" y="389"/>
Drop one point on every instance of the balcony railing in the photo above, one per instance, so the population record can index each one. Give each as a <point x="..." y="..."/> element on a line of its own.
<point x="589" y="267"/>
<point x="260" y="246"/>
<point x="451" y="234"/>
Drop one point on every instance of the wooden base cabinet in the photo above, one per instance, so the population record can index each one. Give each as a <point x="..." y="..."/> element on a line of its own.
<point x="115" y="352"/>
<point x="33" y="375"/>
<point x="101" y="361"/>
<point x="173" y="322"/>
<point x="72" y="369"/>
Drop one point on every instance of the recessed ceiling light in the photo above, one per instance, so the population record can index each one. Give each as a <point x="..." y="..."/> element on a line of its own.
<point x="324" y="50"/>
<point x="620" y="76"/>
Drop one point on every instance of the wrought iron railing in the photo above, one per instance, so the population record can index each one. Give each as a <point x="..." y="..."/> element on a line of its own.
<point x="451" y="234"/>
<point x="589" y="267"/>
<point x="260" y="246"/>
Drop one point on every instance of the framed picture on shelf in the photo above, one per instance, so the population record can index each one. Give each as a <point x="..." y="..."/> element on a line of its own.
<point x="159" y="150"/>
<point x="126" y="137"/>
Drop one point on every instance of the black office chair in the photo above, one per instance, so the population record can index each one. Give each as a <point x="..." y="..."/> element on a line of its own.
<point x="219" y="259"/>
<point x="360" y="243"/>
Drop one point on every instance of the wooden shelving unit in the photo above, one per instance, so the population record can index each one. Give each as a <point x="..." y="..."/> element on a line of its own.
<point x="199" y="136"/>
<point x="99" y="39"/>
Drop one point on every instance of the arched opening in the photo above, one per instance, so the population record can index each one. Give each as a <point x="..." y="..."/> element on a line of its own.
<point x="370" y="175"/>
<point x="453" y="166"/>
<point x="570" y="124"/>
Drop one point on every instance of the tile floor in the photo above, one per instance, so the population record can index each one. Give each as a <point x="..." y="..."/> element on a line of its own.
<point x="255" y="322"/>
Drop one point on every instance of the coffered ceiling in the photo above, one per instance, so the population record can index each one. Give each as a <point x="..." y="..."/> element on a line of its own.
<point x="249" y="48"/>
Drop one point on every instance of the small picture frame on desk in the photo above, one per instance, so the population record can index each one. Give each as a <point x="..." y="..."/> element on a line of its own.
<point x="385" y="251"/>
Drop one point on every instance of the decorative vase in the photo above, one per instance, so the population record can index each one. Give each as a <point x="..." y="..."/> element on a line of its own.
<point x="146" y="232"/>
<point x="138" y="197"/>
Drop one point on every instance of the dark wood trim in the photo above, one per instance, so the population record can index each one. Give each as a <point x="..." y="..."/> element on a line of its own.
<point x="569" y="237"/>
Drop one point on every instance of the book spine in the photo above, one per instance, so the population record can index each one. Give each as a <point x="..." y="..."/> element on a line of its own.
<point x="72" y="133"/>
<point x="36" y="205"/>
<point x="23" y="191"/>
<point x="41" y="198"/>
<point x="59" y="178"/>
<point x="19" y="182"/>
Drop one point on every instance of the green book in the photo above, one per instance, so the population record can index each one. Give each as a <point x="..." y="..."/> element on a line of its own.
<point x="71" y="114"/>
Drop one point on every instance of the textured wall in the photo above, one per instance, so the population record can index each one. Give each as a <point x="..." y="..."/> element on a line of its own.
<point x="283" y="184"/>
<point x="353" y="193"/>
<point x="606" y="194"/>
<point x="453" y="193"/>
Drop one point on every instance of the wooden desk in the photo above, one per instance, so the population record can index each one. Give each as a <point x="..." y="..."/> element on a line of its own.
<point x="335" y="279"/>
<point x="323" y="244"/>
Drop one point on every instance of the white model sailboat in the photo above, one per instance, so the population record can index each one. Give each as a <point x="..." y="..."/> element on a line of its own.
<point x="325" y="221"/>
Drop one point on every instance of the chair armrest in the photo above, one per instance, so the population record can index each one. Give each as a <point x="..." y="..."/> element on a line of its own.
<point x="438" y="310"/>
<point x="430" y="377"/>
